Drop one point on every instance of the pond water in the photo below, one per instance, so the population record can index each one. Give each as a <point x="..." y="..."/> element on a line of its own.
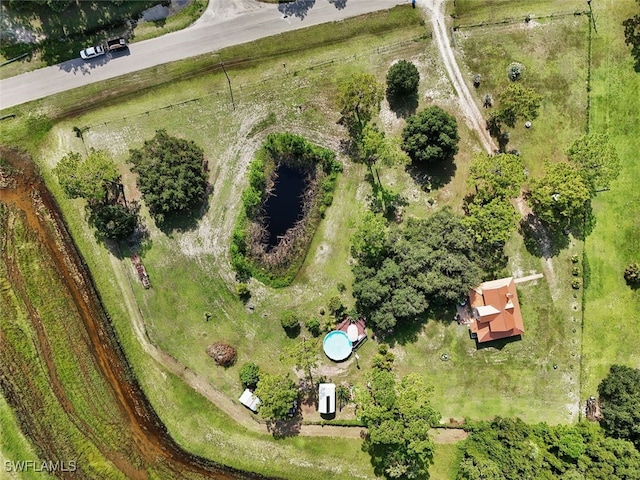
<point x="284" y="207"/>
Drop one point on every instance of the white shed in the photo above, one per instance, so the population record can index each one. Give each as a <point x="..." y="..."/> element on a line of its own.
<point x="327" y="398"/>
<point x="249" y="400"/>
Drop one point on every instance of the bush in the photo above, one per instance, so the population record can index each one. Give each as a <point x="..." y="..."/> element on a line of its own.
<point x="576" y="284"/>
<point x="335" y="305"/>
<point x="222" y="353"/>
<point x="289" y="320"/>
<point x="403" y="79"/>
<point x="242" y="289"/>
<point x="514" y="71"/>
<point x="383" y="360"/>
<point x="250" y="375"/>
<point x="632" y="275"/>
<point x="313" y="325"/>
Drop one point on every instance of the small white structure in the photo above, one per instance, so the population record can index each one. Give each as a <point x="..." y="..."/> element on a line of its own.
<point x="327" y="398"/>
<point x="249" y="400"/>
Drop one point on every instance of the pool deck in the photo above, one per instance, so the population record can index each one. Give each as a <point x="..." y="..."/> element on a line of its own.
<point x="344" y="325"/>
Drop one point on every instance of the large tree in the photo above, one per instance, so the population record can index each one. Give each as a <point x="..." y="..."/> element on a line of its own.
<point x="398" y="418"/>
<point x="517" y="101"/>
<point x="492" y="222"/>
<point x="429" y="261"/>
<point x="89" y="177"/>
<point x="561" y="197"/>
<point x="494" y="176"/>
<point x="431" y="136"/>
<point x="358" y="99"/>
<point x="171" y="174"/>
<point x="370" y="238"/>
<point x="277" y="394"/>
<point x="619" y="395"/>
<point x="596" y="159"/>
<point x="403" y="79"/>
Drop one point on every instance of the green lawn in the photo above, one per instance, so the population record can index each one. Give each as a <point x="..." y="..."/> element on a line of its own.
<point x="611" y="308"/>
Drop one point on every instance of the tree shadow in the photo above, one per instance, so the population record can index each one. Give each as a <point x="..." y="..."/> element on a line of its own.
<point x="308" y="391"/>
<point x="293" y="332"/>
<point x="285" y="428"/>
<point x="339" y="4"/>
<point x="299" y="8"/>
<point x="403" y="106"/>
<point x="433" y="176"/>
<point x="540" y="240"/>
<point x="187" y="220"/>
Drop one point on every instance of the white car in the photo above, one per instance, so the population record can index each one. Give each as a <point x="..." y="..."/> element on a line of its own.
<point x="92" y="52"/>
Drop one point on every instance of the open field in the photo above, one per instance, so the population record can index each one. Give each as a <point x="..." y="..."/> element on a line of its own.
<point x="537" y="378"/>
<point x="612" y="308"/>
<point x="298" y="91"/>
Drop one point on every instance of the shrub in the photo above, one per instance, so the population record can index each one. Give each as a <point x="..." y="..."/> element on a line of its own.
<point x="335" y="305"/>
<point x="403" y="79"/>
<point x="222" y="353"/>
<point x="250" y="375"/>
<point x="341" y="287"/>
<point x="576" y="283"/>
<point x="313" y="325"/>
<point x="514" y="71"/>
<point x="383" y="360"/>
<point x="289" y="320"/>
<point x="632" y="275"/>
<point x="242" y="289"/>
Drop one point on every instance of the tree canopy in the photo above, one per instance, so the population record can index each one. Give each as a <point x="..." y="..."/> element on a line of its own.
<point x="632" y="38"/>
<point x="492" y="222"/>
<point x="113" y="221"/>
<point x="596" y="159"/>
<point x="276" y="394"/>
<point x="358" y="99"/>
<point x="303" y="356"/>
<point x="88" y="177"/>
<point x="492" y="176"/>
<point x="560" y="198"/>
<point x="517" y="101"/>
<point x="509" y="449"/>
<point x="619" y="395"/>
<point x="398" y="417"/>
<point x="402" y="79"/>
<point x="431" y="136"/>
<point x="171" y="174"/>
<point x="370" y="238"/>
<point x="429" y="261"/>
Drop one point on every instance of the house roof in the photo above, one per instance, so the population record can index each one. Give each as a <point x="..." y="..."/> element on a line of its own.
<point x="496" y="310"/>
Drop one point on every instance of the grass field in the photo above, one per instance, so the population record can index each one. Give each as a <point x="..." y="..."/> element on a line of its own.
<point x="537" y="378"/>
<point x="611" y="308"/>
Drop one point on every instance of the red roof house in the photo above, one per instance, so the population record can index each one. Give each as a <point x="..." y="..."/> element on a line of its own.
<point x="496" y="310"/>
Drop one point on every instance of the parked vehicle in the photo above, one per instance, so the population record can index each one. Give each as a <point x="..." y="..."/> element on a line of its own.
<point x="92" y="52"/>
<point x="115" y="44"/>
<point x="112" y="45"/>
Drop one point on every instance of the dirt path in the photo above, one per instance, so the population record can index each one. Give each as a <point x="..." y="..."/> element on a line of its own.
<point x="475" y="120"/>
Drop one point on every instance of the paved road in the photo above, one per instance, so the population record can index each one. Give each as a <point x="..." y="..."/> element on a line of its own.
<point x="225" y="23"/>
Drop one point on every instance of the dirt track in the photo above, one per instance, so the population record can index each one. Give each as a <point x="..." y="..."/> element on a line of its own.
<point x="475" y="120"/>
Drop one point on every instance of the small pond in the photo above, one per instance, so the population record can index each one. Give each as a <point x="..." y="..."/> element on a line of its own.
<point x="284" y="207"/>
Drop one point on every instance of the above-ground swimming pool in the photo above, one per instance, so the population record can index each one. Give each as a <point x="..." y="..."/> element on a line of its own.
<point x="337" y="345"/>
